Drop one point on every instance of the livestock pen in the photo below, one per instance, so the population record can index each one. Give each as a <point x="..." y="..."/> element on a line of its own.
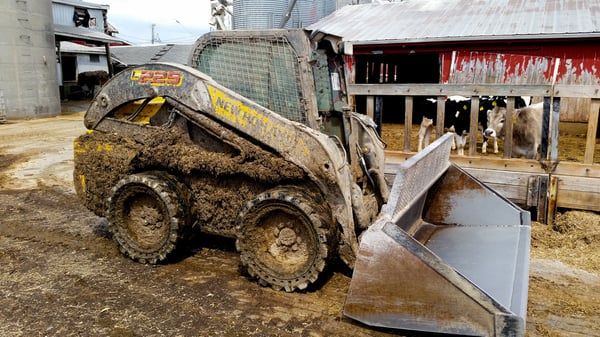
<point x="557" y="180"/>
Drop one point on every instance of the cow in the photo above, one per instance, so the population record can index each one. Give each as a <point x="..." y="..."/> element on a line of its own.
<point x="489" y="103"/>
<point x="425" y="132"/>
<point x="456" y="120"/>
<point x="527" y="129"/>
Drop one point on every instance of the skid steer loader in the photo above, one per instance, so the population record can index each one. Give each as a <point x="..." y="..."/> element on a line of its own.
<point x="254" y="140"/>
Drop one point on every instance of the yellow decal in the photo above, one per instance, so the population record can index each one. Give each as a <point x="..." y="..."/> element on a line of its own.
<point x="104" y="147"/>
<point x="172" y="78"/>
<point x="82" y="181"/>
<point x="244" y="116"/>
<point x="78" y="148"/>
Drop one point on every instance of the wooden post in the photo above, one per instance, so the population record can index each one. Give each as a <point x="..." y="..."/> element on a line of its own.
<point x="474" y="125"/>
<point x="408" y="111"/>
<point x="439" y="123"/>
<point x="542" y="207"/>
<point x="590" y="143"/>
<point x="552" y="194"/>
<point x="553" y="132"/>
<point x="509" y="120"/>
<point x="371" y="106"/>
<point x="111" y="71"/>
<point x="545" y="129"/>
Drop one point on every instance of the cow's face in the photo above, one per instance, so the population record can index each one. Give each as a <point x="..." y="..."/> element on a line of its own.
<point x="495" y="122"/>
<point x="426" y="122"/>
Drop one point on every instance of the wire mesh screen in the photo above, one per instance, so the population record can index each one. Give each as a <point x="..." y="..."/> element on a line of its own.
<point x="418" y="173"/>
<point x="264" y="70"/>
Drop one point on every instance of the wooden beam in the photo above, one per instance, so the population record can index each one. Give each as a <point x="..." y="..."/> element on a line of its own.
<point x="553" y="130"/>
<point x="474" y="125"/>
<point x="407" y="121"/>
<point x="434" y="89"/>
<point x="573" y="90"/>
<point x="371" y="106"/>
<point x="441" y="111"/>
<point x="509" y="122"/>
<point x="590" y="142"/>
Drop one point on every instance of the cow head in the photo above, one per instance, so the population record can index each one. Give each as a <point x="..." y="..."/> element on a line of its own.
<point x="495" y="122"/>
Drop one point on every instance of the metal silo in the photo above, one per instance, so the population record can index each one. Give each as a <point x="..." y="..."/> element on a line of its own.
<point x="28" y="76"/>
<point x="266" y="14"/>
<point x="257" y="14"/>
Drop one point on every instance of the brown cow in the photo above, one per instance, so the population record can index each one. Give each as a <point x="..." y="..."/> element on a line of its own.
<point x="527" y="129"/>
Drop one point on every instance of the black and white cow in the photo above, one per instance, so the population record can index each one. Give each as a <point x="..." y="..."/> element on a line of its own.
<point x="527" y="129"/>
<point x="456" y="120"/>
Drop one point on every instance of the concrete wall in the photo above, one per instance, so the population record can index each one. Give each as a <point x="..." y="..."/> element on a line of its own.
<point x="28" y="76"/>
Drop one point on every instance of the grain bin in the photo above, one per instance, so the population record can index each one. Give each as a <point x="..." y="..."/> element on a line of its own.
<point x="266" y="14"/>
<point x="28" y="74"/>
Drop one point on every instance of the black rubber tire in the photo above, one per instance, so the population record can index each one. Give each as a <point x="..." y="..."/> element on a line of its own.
<point x="148" y="216"/>
<point x="285" y="239"/>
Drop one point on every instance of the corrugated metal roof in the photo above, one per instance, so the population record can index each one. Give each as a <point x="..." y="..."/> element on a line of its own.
<point x="81" y="4"/>
<point x="76" y="48"/>
<point x="83" y="34"/>
<point x="416" y="21"/>
<point x="135" y="55"/>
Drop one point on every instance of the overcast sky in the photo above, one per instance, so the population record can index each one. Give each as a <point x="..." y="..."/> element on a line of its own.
<point x="176" y="21"/>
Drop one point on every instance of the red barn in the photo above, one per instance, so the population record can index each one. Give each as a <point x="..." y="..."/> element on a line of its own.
<point x="548" y="50"/>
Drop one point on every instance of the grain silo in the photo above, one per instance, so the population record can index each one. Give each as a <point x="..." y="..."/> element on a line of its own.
<point x="28" y="75"/>
<point x="266" y="14"/>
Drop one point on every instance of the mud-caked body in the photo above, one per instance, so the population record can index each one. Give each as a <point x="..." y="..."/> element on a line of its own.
<point x="170" y="151"/>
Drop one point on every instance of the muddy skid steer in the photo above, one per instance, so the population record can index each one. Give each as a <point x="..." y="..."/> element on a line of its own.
<point x="254" y="141"/>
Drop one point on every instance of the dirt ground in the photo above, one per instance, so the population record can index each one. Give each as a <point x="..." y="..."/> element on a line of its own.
<point x="61" y="273"/>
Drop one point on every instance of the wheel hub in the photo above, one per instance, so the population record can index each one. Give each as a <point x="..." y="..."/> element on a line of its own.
<point x="287" y="237"/>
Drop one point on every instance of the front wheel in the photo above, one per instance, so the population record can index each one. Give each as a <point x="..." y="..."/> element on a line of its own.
<point x="147" y="216"/>
<point x="285" y="238"/>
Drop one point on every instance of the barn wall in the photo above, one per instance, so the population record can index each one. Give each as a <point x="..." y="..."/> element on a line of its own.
<point x="543" y="185"/>
<point x="532" y="62"/>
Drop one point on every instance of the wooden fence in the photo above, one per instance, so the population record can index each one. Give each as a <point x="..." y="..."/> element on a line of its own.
<point x="545" y="184"/>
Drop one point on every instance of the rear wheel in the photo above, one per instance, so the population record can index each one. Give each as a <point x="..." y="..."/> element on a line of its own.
<point x="284" y="238"/>
<point x="147" y="216"/>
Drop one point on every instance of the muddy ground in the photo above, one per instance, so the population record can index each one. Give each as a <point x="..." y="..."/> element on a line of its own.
<point x="61" y="274"/>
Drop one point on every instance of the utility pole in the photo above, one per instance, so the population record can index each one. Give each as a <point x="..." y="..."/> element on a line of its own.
<point x="153" y="25"/>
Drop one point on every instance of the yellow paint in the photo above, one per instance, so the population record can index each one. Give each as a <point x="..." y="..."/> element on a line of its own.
<point x="145" y="115"/>
<point x="104" y="147"/>
<point x="244" y="116"/>
<point x="82" y="181"/>
<point x="78" y="148"/>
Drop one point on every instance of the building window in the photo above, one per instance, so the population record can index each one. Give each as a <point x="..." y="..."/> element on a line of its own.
<point x="94" y="58"/>
<point x="81" y="17"/>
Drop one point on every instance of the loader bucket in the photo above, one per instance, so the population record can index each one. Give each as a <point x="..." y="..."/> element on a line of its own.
<point x="447" y="254"/>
